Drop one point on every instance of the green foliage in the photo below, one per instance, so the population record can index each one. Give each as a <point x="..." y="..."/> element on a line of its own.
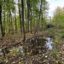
<point x="10" y="16"/>
<point x="58" y="19"/>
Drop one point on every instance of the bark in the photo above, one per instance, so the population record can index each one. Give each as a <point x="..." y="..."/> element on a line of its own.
<point x="20" y="16"/>
<point x="28" y="8"/>
<point x="40" y="13"/>
<point x="15" y="23"/>
<point x="23" y="28"/>
<point x="31" y="21"/>
<point x="10" y="22"/>
<point x="2" y="30"/>
<point x="4" y="22"/>
<point x="39" y="16"/>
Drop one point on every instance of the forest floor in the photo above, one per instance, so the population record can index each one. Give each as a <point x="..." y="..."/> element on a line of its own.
<point x="12" y="42"/>
<point x="16" y="39"/>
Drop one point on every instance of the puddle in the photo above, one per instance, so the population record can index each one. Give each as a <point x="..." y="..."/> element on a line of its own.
<point x="49" y="43"/>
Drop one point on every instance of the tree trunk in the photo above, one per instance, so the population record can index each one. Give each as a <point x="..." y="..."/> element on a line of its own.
<point x="28" y="7"/>
<point x="15" y="23"/>
<point x="39" y="16"/>
<point x="31" y="11"/>
<point x="23" y="28"/>
<point x="2" y="30"/>
<point x="10" y="23"/>
<point x="40" y="13"/>
<point x="20" y="15"/>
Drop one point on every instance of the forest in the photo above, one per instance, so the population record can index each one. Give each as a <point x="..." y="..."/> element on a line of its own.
<point x="28" y="35"/>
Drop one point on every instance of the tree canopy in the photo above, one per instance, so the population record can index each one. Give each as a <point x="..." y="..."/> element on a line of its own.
<point x="58" y="18"/>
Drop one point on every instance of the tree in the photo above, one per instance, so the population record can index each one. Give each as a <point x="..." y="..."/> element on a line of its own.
<point x="2" y="30"/>
<point x="28" y="15"/>
<point x="20" y="15"/>
<point x="31" y="13"/>
<point x="58" y="18"/>
<point x="23" y="29"/>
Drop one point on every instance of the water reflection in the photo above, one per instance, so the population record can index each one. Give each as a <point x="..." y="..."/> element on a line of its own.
<point x="49" y="43"/>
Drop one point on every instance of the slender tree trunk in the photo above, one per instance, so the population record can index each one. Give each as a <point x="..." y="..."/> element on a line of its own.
<point x="20" y="14"/>
<point x="2" y="30"/>
<point x="28" y="8"/>
<point x="31" y="17"/>
<point x="4" y="25"/>
<point x="15" y="23"/>
<point x="38" y="24"/>
<point x="10" y="23"/>
<point x="11" y="20"/>
<point x="31" y="21"/>
<point x="23" y="28"/>
<point x="40" y="13"/>
<point x="4" y="18"/>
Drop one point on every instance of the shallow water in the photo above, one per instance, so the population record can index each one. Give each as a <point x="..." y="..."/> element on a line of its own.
<point x="49" y="43"/>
